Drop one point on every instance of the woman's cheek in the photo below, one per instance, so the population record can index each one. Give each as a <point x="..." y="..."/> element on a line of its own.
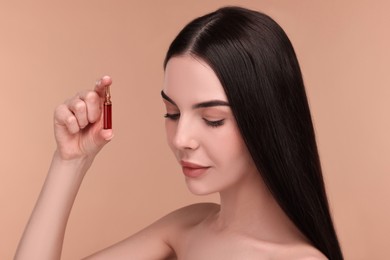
<point x="170" y="130"/>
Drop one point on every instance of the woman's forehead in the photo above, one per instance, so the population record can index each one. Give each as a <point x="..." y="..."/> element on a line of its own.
<point x="191" y="78"/>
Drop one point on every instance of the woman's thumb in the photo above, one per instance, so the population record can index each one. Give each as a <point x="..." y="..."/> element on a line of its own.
<point x="105" y="135"/>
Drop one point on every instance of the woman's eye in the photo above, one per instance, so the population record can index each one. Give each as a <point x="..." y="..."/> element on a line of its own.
<point x="172" y="116"/>
<point x="214" y="123"/>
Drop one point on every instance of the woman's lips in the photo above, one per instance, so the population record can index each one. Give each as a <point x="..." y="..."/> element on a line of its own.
<point x="193" y="170"/>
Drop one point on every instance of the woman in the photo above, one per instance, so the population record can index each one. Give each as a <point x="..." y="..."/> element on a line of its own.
<point x="239" y="124"/>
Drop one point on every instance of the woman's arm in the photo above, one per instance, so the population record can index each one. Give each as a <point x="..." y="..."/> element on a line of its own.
<point x="79" y="136"/>
<point x="44" y="234"/>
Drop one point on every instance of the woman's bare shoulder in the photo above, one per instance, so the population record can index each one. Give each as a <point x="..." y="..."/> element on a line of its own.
<point x="300" y="252"/>
<point x="191" y="215"/>
<point x="156" y="240"/>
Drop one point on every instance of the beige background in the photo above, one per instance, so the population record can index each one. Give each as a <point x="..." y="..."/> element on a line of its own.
<point x="49" y="50"/>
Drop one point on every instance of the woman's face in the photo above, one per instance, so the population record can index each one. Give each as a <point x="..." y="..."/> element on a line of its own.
<point x="201" y="129"/>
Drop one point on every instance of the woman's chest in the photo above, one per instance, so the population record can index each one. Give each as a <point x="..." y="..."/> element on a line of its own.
<point x="200" y="244"/>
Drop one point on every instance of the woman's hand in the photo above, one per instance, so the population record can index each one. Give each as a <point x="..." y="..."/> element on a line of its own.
<point x="78" y="123"/>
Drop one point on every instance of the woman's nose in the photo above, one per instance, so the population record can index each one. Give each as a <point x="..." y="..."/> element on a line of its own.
<point x="186" y="135"/>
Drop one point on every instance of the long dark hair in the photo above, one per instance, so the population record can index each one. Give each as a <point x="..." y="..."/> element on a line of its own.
<point x="258" y="69"/>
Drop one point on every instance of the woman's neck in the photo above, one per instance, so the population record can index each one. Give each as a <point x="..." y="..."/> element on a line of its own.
<point x="248" y="207"/>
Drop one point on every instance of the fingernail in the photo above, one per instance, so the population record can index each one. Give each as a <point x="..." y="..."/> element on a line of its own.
<point x="98" y="82"/>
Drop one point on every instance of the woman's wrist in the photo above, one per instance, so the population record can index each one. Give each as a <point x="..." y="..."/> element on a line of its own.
<point x="78" y="165"/>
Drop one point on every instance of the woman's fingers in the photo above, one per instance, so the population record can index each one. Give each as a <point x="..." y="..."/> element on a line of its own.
<point x="79" y="108"/>
<point x="86" y="105"/>
<point x="79" y="111"/>
<point x="93" y="104"/>
<point x="65" y="118"/>
<point x="100" y="86"/>
<point x="83" y="109"/>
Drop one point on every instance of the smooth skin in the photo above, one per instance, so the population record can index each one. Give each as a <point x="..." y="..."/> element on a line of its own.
<point x="248" y="223"/>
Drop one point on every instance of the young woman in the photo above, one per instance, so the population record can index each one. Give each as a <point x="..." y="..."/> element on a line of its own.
<point x="239" y="124"/>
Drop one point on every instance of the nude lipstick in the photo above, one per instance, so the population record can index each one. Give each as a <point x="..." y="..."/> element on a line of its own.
<point x="107" y="110"/>
<point x="193" y="170"/>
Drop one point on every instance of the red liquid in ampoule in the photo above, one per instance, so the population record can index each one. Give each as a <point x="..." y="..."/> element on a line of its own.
<point x="107" y="116"/>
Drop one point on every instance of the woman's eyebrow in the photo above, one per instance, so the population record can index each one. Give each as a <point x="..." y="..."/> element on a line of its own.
<point x="211" y="103"/>
<point x="164" y="96"/>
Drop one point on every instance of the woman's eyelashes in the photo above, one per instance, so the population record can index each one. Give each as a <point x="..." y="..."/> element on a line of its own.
<point x="212" y="123"/>
<point x="172" y="116"/>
